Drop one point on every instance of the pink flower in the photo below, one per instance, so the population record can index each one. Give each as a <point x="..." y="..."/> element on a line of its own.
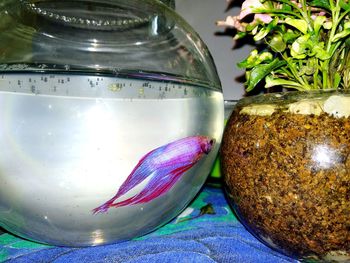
<point x="265" y="18"/>
<point x="248" y="7"/>
<point x="313" y="16"/>
<point x="232" y="21"/>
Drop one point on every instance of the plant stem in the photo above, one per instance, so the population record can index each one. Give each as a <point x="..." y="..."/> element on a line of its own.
<point x="305" y="15"/>
<point x="283" y="12"/>
<point x="335" y="22"/>
<point x="294" y="72"/>
<point x="330" y="48"/>
<point x="273" y="10"/>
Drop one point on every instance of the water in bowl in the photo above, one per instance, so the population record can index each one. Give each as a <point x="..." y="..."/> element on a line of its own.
<point x="68" y="141"/>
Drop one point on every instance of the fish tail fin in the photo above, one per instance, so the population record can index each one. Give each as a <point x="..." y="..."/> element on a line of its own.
<point x="126" y="202"/>
<point x="103" y="208"/>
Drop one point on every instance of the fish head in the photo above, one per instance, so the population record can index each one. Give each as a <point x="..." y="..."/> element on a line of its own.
<point x="207" y="144"/>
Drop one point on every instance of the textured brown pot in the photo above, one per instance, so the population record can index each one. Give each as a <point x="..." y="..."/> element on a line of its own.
<point x="286" y="165"/>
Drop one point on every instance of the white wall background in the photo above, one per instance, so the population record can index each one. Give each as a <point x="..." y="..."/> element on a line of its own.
<point x="202" y="16"/>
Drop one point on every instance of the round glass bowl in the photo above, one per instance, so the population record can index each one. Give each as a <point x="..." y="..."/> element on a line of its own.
<point x="111" y="118"/>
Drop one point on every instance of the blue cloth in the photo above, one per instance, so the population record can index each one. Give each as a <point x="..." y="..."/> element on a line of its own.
<point x="207" y="231"/>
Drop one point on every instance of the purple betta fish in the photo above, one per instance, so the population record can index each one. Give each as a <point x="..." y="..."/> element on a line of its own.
<point x="165" y="165"/>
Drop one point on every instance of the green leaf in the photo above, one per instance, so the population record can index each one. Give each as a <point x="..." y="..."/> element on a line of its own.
<point x="277" y="44"/>
<point x="347" y="25"/>
<point x="299" y="24"/>
<point x="318" y="23"/>
<point x="266" y="29"/>
<point x="240" y="35"/>
<point x="341" y="35"/>
<point x="271" y="82"/>
<point x="321" y="4"/>
<point x="328" y="25"/>
<point x="250" y="60"/>
<point x="286" y="7"/>
<point x="344" y="5"/>
<point x="261" y="71"/>
<point x="252" y="27"/>
<point x="255" y="59"/>
<point x="320" y="52"/>
<point x="308" y="69"/>
<point x="299" y="46"/>
<point x="261" y="34"/>
<point x="289" y="36"/>
<point x="336" y="80"/>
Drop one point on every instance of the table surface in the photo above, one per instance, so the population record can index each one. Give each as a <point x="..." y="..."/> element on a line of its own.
<point x="206" y="231"/>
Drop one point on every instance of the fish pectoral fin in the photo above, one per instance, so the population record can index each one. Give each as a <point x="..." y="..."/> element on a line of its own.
<point x="181" y="170"/>
<point x="160" y="187"/>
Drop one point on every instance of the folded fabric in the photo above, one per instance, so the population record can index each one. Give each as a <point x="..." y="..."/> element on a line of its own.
<point x="206" y="231"/>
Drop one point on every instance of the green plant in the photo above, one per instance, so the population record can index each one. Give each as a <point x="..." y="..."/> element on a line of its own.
<point x="306" y="44"/>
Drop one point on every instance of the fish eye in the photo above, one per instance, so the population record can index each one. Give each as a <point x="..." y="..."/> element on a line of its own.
<point x="212" y="141"/>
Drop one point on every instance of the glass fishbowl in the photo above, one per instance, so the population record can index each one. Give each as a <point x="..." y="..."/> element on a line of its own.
<point x="111" y="118"/>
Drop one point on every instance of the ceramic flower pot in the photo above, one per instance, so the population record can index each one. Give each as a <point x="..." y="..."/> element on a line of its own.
<point x="286" y="164"/>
